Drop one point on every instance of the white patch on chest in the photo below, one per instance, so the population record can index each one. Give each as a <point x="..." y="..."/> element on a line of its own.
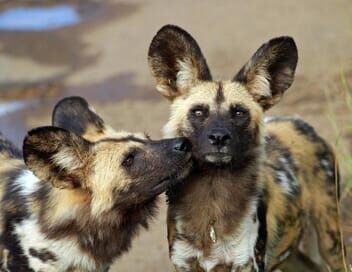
<point x="27" y="182"/>
<point x="236" y="249"/>
<point x="66" y="251"/>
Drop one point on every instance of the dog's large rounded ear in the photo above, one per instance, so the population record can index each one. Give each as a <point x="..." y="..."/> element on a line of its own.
<point x="270" y="71"/>
<point x="58" y="156"/>
<point x="74" y="114"/>
<point x="176" y="61"/>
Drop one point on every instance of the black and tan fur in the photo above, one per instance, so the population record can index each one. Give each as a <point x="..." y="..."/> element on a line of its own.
<point x="257" y="184"/>
<point x="81" y="192"/>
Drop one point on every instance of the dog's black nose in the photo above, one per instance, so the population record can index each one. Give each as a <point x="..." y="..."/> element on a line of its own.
<point x="182" y="145"/>
<point x="219" y="136"/>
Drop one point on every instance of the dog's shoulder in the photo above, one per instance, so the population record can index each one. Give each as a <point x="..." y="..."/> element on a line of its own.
<point x="296" y="143"/>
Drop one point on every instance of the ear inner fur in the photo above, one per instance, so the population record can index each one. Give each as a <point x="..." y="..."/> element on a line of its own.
<point x="176" y="61"/>
<point x="60" y="160"/>
<point x="270" y="71"/>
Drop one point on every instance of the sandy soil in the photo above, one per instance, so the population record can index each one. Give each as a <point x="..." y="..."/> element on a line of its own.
<point x="104" y="59"/>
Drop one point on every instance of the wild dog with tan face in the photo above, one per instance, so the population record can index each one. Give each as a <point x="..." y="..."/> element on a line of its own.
<point x="76" y="204"/>
<point x="256" y="184"/>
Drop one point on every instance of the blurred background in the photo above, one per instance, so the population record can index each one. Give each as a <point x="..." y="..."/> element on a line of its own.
<point x="98" y="50"/>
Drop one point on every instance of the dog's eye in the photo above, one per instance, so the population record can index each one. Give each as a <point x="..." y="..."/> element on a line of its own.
<point x="128" y="160"/>
<point x="199" y="112"/>
<point x="238" y="111"/>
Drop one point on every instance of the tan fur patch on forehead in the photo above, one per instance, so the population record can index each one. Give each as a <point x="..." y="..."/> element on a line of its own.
<point x="235" y="93"/>
<point x="109" y="174"/>
<point x="206" y="93"/>
<point x="110" y="133"/>
<point x="92" y="135"/>
<point x="114" y="149"/>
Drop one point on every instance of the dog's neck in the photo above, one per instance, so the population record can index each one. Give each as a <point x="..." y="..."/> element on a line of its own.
<point x="211" y="203"/>
<point x="63" y="213"/>
<point x="213" y="218"/>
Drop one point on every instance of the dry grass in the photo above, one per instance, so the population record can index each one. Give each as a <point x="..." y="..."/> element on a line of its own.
<point x="343" y="135"/>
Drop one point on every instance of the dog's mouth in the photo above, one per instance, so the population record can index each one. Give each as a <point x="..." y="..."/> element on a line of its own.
<point x="218" y="158"/>
<point x="172" y="179"/>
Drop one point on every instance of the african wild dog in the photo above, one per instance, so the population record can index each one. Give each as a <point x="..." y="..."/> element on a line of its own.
<point x="76" y="205"/>
<point x="256" y="184"/>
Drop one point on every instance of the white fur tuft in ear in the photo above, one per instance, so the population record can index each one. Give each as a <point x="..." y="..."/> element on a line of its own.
<point x="261" y="85"/>
<point x="270" y="71"/>
<point x="187" y="75"/>
<point x="68" y="159"/>
<point x="176" y="61"/>
<point x="164" y="89"/>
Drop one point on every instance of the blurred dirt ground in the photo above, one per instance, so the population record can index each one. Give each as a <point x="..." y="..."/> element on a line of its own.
<point x="104" y="59"/>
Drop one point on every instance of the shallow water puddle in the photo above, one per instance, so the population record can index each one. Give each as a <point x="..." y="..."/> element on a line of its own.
<point x="8" y="107"/>
<point x="38" y="18"/>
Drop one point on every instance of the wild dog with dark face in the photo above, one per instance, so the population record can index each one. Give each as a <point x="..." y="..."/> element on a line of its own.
<point x="76" y="204"/>
<point x="256" y="184"/>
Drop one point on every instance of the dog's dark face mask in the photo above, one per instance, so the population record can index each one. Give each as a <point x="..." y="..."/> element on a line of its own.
<point x="224" y="128"/>
<point x="222" y="137"/>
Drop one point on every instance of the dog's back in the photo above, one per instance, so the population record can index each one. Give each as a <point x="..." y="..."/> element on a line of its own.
<point x="303" y="165"/>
